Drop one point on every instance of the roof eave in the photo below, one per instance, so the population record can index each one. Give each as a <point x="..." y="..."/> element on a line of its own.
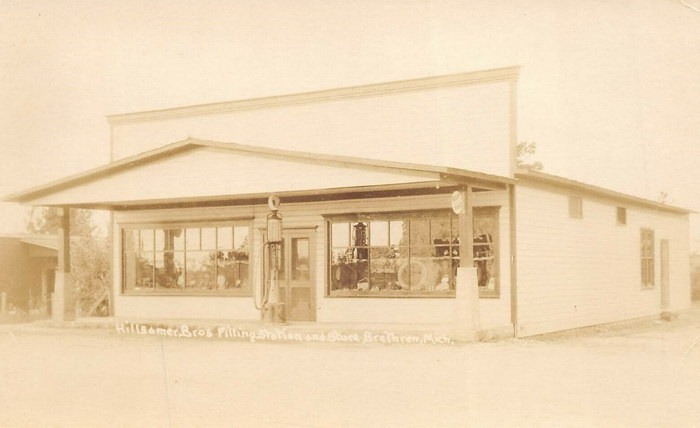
<point x="36" y="192"/>
<point x="522" y="173"/>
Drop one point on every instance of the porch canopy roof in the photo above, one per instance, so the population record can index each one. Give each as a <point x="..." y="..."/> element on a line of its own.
<point x="196" y="172"/>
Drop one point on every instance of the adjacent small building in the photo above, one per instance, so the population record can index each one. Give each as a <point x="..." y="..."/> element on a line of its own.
<point x="27" y="266"/>
<point x="401" y="204"/>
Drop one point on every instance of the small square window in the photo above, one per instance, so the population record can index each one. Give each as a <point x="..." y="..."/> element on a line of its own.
<point x="621" y="215"/>
<point x="575" y="207"/>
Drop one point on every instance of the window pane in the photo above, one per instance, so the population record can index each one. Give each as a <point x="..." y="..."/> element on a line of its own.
<point x="379" y="233"/>
<point x="240" y="237"/>
<point x="397" y="232"/>
<point x="484" y="250"/>
<point x="420" y="232"/>
<point x="192" y="239"/>
<point x="403" y="271"/>
<point x="439" y="276"/>
<point x="146" y="240"/>
<point x="170" y="239"/>
<point x="455" y="230"/>
<point x="233" y="270"/>
<point x="138" y="271"/>
<point x="208" y="235"/>
<point x="131" y="240"/>
<point x="486" y="277"/>
<point x="384" y="264"/>
<point x="340" y="234"/>
<point x="300" y="259"/>
<point x="440" y="231"/>
<point x="170" y="272"/>
<point x="347" y="271"/>
<point x="359" y="234"/>
<point x="201" y="269"/>
<point x="484" y="228"/>
<point x="144" y="271"/>
<point x="160" y="240"/>
<point x="440" y="234"/>
<point x="224" y="238"/>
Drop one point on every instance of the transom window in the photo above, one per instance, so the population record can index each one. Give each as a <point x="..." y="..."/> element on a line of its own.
<point x="408" y="254"/>
<point x="192" y="258"/>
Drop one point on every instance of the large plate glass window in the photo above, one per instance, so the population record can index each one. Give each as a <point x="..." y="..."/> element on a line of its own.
<point x="187" y="259"/>
<point x="412" y="254"/>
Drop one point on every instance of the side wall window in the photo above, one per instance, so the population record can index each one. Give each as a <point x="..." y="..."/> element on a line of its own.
<point x="647" y="249"/>
<point x="575" y="207"/>
<point x="621" y="215"/>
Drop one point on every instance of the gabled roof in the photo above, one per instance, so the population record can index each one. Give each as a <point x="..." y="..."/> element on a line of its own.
<point x="528" y="174"/>
<point x="264" y="152"/>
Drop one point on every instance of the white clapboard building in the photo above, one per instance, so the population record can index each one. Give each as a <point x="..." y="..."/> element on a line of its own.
<point x="385" y="191"/>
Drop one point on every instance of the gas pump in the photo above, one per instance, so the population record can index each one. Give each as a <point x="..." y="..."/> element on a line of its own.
<point x="273" y="309"/>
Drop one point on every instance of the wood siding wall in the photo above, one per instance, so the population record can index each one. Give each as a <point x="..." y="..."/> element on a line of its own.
<point x="575" y="272"/>
<point x="443" y="126"/>
<point x="495" y="312"/>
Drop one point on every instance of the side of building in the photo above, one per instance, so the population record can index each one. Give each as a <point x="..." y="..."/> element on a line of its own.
<point x="586" y="258"/>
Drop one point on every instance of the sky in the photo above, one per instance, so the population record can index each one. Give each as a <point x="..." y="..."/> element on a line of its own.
<point x="609" y="90"/>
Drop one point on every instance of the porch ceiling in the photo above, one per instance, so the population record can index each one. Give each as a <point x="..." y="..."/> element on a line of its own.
<point x="196" y="171"/>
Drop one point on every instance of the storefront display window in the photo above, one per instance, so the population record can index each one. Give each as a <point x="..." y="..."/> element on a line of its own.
<point x="192" y="259"/>
<point x="409" y="254"/>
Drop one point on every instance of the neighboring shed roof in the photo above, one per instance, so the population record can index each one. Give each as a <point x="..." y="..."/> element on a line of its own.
<point x="39" y="240"/>
<point x="541" y="177"/>
<point x="312" y="160"/>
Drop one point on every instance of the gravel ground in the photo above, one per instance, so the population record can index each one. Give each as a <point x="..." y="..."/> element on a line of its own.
<point x="640" y="374"/>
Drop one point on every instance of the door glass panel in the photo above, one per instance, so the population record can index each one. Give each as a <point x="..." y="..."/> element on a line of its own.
<point x="300" y="259"/>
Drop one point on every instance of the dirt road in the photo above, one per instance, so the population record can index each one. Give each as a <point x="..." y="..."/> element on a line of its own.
<point x="644" y="375"/>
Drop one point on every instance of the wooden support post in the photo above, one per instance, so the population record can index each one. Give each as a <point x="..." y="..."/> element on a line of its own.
<point x="467" y="301"/>
<point x="466" y="229"/>
<point x="64" y="294"/>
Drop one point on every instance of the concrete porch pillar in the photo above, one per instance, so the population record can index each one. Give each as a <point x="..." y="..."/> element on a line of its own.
<point x="63" y="302"/>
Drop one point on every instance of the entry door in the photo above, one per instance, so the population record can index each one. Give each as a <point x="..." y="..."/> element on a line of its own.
<point x="296" y="282"/>
<point x="665" y="283"/>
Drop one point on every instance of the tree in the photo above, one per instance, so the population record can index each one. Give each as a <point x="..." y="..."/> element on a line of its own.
<point x="46" y="220"/>
<point x="90" y="268"/>
<point x="526" y="153"/>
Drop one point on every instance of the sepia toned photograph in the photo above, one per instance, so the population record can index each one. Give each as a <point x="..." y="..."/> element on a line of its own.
<point x="400" y="213"/>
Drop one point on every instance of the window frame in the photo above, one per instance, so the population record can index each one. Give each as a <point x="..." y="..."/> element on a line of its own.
<point x="186" y="224"/>
<point x="409" y="215"/>
<point x="647" y="270"/>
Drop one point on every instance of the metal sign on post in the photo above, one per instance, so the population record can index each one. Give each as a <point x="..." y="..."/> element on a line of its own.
<point x="457" y="202"/>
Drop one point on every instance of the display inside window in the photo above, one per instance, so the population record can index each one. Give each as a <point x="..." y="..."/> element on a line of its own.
<point x="418" y="255"/>
<point x="206" y="259"/>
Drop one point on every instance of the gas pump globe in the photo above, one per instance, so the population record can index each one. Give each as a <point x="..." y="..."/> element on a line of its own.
<point x="274" y="221"/>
